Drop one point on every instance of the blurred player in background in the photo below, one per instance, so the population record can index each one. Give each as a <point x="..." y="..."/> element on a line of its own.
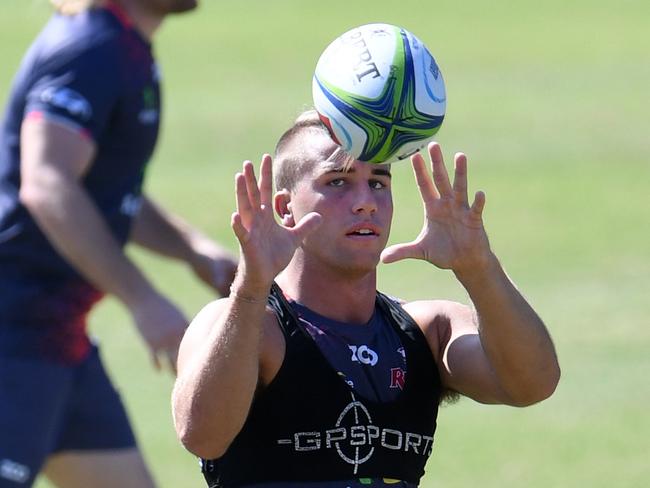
<point x="306" y="376"/>
<point x="79" y="128"/>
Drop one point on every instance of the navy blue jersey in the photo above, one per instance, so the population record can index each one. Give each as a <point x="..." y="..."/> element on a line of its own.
<point x="370" y="357"/>
<point x="94" y="73"/>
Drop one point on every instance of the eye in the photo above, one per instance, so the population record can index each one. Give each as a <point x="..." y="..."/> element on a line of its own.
<point x="377" y="184"/>
<point x="336" y="182"/>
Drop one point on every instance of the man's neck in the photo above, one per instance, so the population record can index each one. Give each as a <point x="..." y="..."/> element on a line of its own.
<point x="342" y="297"/>
<point x="145" y="19"/>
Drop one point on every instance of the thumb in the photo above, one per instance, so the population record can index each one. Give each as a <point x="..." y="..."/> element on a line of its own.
<point x="397" y="252"/>
<point x="308" y="224"/>
<point x="155" y="360"/>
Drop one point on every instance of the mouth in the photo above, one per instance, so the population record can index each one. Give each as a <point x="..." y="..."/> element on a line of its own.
<point x="363" y="230"/>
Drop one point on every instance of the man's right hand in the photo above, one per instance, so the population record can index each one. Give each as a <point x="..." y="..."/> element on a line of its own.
<point x="266" y="247"/>
<point x="162" y="325"/>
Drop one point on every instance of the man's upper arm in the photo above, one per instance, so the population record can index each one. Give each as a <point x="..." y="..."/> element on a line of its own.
<point x="67" y="108"/>
<point x="49" y="147"/>
<point x="198" y="331"/>
<point x="197" y="334"/>
<point x="452" y="333"/>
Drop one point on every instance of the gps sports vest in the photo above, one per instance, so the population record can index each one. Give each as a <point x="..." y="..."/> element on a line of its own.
<point x="309" y="425"/>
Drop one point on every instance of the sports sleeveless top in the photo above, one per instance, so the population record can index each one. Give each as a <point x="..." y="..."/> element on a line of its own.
<point x="309" y="425"/>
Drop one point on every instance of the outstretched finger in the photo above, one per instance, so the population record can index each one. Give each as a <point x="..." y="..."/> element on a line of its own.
<point x="155" y="360"/>
<point x="251" y="185"/>
<point x="238" y="228"/>
<point x="266" y="181"/>
<point x="422" y="178"/>
<point x="440" y="175"/>
<point x="479" y="204"/>
<point x="460" y="179"/>
<point x="172" y="359"/>
<point x="242" y="197"/>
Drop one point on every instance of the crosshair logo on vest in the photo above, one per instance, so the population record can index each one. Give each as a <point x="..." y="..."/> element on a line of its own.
<point x="355" y="438"/>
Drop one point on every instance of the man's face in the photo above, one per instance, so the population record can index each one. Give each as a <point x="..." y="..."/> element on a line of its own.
<point x="356" y="205"/>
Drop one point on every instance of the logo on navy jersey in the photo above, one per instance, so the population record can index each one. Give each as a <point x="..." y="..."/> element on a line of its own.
<point x="131" y="205"/>
<point x="149" y="112"/>
<point x="350" y="383"/>
<point x="156" y="72"/>
<point x="67" y="99"/>
<point x="13" y="471"/>
<point x="355" y="438"/>
<point x="397" y="378"/>
<point x="363" y="354"/>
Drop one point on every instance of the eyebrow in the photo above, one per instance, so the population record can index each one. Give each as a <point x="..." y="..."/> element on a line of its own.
<point x="341" y="169"/>
<point x="341" y="162"/>
<point x="382" y="172"/>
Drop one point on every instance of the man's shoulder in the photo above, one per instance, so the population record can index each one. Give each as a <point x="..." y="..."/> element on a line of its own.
<point x="423" y="308"/>
<point x="94" y="40"/>
<point x="425" y="311"/>
<point x="391" y="298"/>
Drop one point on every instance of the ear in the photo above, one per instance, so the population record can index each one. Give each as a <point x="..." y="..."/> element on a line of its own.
<point x="282" y="207"/>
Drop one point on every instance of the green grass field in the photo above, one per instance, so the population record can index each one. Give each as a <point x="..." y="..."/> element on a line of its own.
<point x="550" y="102"/>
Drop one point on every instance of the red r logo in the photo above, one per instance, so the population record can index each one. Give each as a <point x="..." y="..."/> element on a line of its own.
<point x="397" y="378"/>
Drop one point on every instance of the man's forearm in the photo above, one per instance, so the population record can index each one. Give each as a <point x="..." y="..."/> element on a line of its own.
<point x="159" y="231"/>
<point x="513" y="336"/>
<point x="73" y="225"/>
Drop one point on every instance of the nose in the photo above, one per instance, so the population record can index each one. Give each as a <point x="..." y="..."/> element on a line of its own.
<point x="365" y="201"/>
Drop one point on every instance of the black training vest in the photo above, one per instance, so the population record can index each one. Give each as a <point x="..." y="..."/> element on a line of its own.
<point x="309" y="425"/>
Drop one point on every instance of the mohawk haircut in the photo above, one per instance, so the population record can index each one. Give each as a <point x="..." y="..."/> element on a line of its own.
<point x="293" y="157"/>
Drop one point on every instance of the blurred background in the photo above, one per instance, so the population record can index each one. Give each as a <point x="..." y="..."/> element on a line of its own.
<point x="550" y="102"/>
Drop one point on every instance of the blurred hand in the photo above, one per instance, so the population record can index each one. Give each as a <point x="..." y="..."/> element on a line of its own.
<point x="453" y="236"/>
<point x="216" y="267"/>
<point x="162" y="325"/>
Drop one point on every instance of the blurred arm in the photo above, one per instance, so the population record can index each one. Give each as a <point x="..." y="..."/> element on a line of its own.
<point x="164" y="233"/>
<point x="53" y="160"/>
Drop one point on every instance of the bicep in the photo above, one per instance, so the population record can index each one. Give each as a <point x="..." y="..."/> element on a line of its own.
<point x="198" y="332"/>
<point x="50" y="149"/>
<point x="467" y="370"/>
<point x="197" y="335"/>
<point x="452" y="333"/>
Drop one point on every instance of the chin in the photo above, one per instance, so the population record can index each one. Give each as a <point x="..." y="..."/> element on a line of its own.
<point x="180" y="6"/>
<point x="360" y="265"/>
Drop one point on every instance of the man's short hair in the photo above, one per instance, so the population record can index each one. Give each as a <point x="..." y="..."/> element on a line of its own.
<point x="291" y="156"/>
<point x="294" y="153"/>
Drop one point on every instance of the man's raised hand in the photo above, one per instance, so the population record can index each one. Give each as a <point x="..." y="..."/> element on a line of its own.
<point x="453" y="236"/>
<point x="266" y="246"/>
